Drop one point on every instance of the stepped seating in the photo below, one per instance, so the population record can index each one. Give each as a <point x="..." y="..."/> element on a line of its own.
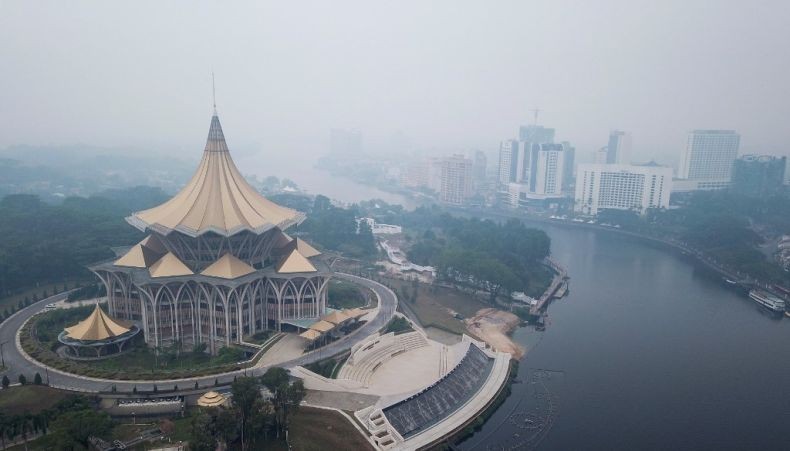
<point x="432" y="405"/>
<point x="367" y="358"/>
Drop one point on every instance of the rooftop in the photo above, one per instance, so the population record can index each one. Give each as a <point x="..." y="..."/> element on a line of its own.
<point x="217" y="199"/>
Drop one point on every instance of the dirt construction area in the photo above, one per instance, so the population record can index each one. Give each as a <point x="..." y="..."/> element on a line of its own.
<point x="492" y="326"/>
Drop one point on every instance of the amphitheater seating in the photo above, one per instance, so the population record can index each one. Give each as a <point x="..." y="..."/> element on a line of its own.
<point x="364" y="362"/>
<point x="432" y="405"/>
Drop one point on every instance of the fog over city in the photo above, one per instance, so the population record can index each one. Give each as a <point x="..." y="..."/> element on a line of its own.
<point x="448" y="75"/>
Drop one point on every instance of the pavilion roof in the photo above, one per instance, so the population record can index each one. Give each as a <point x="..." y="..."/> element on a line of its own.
<point x="310" y="334"/>
<point x="322" y="326"/>
<point x="143" y="254"/>
<point x="228" y="267"/>
<point x="168" y="266"/>
<point x="211" y="399"/>
<point x="294" y="262"/>
<point x="97" y="326"/>
<point x="217" y="199"/>
<point x="336" y="317"/>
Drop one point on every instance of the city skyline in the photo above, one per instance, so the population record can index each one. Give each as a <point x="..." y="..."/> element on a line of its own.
<point x="352" y="72"/>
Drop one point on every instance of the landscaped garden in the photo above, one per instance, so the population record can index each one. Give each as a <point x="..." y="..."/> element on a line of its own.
<point x="39" y="339"/>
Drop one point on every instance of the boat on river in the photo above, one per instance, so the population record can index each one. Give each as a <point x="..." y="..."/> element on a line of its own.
<point x="768" y="300"/>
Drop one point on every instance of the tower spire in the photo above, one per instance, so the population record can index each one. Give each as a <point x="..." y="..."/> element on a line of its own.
<point x="213" y="93"/>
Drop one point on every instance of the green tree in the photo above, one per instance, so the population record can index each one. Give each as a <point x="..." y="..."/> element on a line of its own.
<point x="274" y="377"/>
<point x="246" y="399"/>
<point x="22" y="379"/>
<point x="202" y="431"/>
<point x="37" y="379"/>
<point x="6" y="382"/>
<point x="71" y="430"/>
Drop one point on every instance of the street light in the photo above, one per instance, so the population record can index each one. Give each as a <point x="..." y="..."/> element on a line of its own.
<point x="2" y="357"/>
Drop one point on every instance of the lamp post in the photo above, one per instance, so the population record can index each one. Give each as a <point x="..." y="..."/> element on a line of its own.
<point x="2" y="357"/>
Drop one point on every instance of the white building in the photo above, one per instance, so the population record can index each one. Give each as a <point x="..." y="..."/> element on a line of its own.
<point x="456" y="180"/>
<point x="508" y="161"/>
<point x="546" y="178"/>
<point x="619" y="149"/>
<point x="621" y="187"/>
<point x="709" y="157"/>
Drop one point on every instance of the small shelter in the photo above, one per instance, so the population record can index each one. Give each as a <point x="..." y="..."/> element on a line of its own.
<point x="98" y="332"/>
<point x="212" y="399"/>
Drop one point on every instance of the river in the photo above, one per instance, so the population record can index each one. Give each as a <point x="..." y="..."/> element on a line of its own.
<point x="646" y="352"/>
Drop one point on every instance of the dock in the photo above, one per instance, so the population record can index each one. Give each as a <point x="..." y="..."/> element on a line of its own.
<point x="559" y="281"/>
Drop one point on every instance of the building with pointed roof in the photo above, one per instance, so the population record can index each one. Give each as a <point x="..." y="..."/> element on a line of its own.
<point x="216" y="264"/>
<point x="98" y="332"/>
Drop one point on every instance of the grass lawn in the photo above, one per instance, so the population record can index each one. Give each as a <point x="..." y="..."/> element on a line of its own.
<point x="434" y="303"/>
<point x="344" y="295"/>
<point x="320" y="429"/>
<point x="29" y="398"/>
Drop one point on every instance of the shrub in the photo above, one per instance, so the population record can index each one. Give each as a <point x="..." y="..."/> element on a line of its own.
<point x="22" y="379"/>
<point x="37" y="379"/>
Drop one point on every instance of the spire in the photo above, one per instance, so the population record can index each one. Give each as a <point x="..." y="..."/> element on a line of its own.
<point x="213" y="93"/>
<point x="216" y="139"/>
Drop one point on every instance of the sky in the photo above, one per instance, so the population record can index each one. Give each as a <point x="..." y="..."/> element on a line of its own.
<point x="450" y="75"/>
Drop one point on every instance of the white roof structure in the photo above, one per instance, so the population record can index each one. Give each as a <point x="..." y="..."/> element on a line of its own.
<point x="217" y="199"/>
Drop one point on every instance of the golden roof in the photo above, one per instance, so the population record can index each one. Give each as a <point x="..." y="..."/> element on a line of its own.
<point x="306" y="249"/>
<point x="97" y="326"/>
<point x="228" y="267"/>
<point x="322" y="326"/>
<point x="336" y="317"/>
<point x="142" y="254"/>
<point x="217" y="199"/>
<point x="211" y="399"/>
<point x="354" y="312"/>
<point x="169" y="266"/>
<point x="310" y="334"/>
<point x="295" y="262"/>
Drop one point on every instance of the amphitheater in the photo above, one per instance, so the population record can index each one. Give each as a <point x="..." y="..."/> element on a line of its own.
<point x="420" y="391"/>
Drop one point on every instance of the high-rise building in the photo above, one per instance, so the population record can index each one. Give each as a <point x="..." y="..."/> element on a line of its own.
<point x="709" y="156"/>
<point x="415" y="174"/>
<point x="508" y="161"/>
<point x="618" y="151"/>
<point x="456" y="180"/>
<point x="568" y="166"/>
<point x="601" y="155"/>
<point x="758" y="175"/>
<point x="480" y="165"/>
<point x="345" y="142"/>
<point x="547" y="171"/>
<point x="621" y="187"/>
<point x="536" y="134"/>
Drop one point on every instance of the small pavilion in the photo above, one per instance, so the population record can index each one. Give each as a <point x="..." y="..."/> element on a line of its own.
<point x="99" y="333"/>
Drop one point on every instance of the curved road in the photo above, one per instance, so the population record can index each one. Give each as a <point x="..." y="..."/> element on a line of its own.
<point x="17" y="363"/>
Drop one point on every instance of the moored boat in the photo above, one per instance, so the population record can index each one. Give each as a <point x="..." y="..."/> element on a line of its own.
<point x="768" y="300"/>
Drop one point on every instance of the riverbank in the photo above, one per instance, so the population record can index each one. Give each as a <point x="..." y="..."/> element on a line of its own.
<point x="494" y="327"/>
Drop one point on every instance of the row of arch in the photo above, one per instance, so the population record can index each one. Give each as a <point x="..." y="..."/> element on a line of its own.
<point x="191" y="312"/>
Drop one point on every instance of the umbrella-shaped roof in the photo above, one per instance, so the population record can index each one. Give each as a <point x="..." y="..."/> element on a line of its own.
<point x="97" y="326"/>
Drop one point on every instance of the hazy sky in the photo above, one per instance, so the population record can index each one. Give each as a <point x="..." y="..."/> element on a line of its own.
<point x="451" y="75"/>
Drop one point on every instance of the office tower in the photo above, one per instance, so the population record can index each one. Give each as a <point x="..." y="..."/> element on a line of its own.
<point x="536" y="134"/>
<point x="618" y="151"/>
<point x="480" y="165"/>
<point x="621" y="187"/>
<point x="508" y="161"/>
<point x="601" y="155"/>
<point x="709" y="155"/>
<point x="758" y="175"/>
<point x="456" y="179"/>
<point x="568" y="166"/>
<point x="415" y="174"/>
<point x="547" y="171"/>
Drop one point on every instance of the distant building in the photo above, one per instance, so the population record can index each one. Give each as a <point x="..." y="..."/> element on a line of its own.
<point x="415" y="174"/>
<point x="709" y="157"/>
<point x="456" y="179"/>
<point x="618" y="151"/>
<point x="547" y="171"/>
<point x="378" y="228"/>
<point x="758" y="175"/>
<point x="568" y="166"/>
<point x="508" y="161"/>
<point x="480" y="164"/>
<point x="536" y="134"/>
<point x="345" y="142"/>
<point x="621" y="187"/>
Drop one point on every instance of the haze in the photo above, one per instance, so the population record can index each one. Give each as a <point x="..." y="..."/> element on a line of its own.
<point x="450" y="75"/>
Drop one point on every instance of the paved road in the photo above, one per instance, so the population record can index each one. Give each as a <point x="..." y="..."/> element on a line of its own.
<point x="17" y="364"/>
